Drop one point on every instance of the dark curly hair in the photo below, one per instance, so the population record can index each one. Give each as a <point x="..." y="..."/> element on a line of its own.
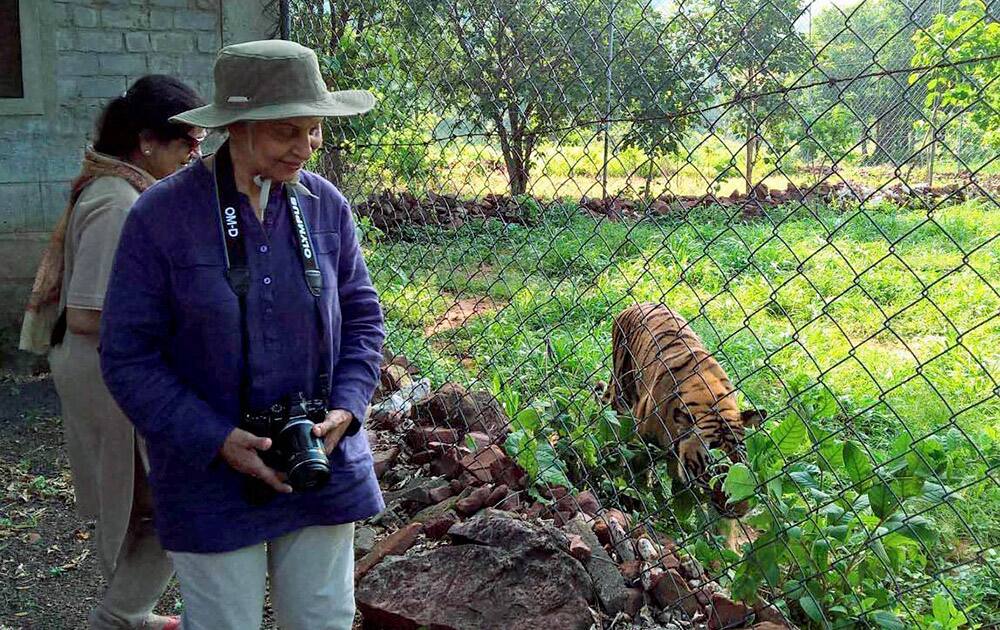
<point x="145" y="107"/>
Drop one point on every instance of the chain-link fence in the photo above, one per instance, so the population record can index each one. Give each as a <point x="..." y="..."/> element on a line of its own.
<point x="813" y="187"/>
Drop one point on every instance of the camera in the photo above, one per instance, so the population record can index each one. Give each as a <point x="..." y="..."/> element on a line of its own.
<point x="294" y="450"/>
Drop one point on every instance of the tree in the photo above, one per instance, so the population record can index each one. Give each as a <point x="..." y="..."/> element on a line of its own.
<point x="526" y="70"/>
<point x="357" y="47"/>
<point x="754" y="49"/>
<point x="970" y="89"/>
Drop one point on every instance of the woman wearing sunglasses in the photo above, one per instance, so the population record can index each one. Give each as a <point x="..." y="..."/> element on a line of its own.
<point x="135" y="145"/>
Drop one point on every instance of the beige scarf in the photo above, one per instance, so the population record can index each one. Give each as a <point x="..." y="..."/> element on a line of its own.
<point x="42" y="310"/>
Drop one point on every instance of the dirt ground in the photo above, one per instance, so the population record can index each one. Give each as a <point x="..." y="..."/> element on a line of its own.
<point x="49" y="576"/>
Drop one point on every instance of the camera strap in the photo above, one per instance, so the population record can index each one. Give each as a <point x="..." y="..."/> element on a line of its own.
<point x="238" y="268"/>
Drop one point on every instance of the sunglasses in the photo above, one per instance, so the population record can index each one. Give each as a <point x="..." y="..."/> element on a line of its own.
<point x="194" y="139"/>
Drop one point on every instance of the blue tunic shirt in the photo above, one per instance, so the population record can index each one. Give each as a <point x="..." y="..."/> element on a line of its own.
<point x="171" y="354"/>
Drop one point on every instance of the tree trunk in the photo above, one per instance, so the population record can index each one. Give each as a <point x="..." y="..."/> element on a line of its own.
<point x="751" y="155"/>
<point x="516" y="146"/>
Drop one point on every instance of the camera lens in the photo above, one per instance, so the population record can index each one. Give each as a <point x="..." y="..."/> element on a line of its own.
<point x="308" y="467"/>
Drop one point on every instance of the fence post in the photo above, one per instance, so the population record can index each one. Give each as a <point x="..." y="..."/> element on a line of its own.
<point x="285" y="15"/>
<point x="607" y="110"/>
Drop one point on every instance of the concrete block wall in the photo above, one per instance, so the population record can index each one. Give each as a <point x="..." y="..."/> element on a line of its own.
<point x="94" y="49"/>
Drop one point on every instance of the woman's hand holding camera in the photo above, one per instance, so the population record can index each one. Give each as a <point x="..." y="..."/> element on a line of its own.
<point x="240" y="452"/>
<point x="333" y="427"/>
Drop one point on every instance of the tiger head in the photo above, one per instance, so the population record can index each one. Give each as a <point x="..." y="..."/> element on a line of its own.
<point x="714" y="432"/>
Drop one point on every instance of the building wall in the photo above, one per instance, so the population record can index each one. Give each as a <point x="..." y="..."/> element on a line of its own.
<point x="87" y="52"/>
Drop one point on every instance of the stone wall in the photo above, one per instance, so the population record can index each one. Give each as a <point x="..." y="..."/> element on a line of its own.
<point x="90" y="51"/>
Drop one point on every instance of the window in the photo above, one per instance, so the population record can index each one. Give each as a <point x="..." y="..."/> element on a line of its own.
<point x="27" y="49"/>
<point x="11" y="77"/>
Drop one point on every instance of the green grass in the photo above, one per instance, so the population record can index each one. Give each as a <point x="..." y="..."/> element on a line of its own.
<point x="894" y="312"/>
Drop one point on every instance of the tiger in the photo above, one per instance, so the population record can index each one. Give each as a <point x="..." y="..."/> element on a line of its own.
<point x="679" y="394"/>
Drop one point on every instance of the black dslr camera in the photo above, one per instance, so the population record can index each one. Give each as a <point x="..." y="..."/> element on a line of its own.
<point x="294" y="450"/>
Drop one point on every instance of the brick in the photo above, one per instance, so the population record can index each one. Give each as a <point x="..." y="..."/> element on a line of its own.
<point x="102" y="87"/>
<point x="161" y="19"/>
<point x="164" y="64"/>
<point x="137" y="42"/>
<point x="197" y="65"/>
<point x="61" y="14"/>
<point x="55" y="196"/>
<point x="67" y="88"/>
<point x="128" y="17"/>
<point x="85" y="17"/>
<point x="15" y="201"/>
<point x="172" y="42"/>
<point x="196" y="20"/>
<point x="114" y="63"/>
<point x="208" y="42"/>
<point x="212" y="5"/>
<point x="65" y="39"/>
<point x="170" y="3"/>
<point x="100" y="41"/>
<point x="77" y="64"/>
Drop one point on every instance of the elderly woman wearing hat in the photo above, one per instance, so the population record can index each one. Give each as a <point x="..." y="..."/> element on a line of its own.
<point x="242" y="337"/>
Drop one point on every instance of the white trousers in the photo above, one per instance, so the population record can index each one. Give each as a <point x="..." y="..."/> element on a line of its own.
<point x="312" y="582"/>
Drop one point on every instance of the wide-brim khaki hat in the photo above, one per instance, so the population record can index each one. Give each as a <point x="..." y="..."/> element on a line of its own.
<point x="268" y="80"/>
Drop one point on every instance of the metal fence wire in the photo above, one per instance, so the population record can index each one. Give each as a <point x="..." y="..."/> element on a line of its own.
<point x="812" y="185"/>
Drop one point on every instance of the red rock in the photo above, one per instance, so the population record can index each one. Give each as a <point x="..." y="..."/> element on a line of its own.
<point x="456" y="486"/>
<point x="482" y="464"/>
<point x="480" y="439"/>
<point x="497" y="495"/>
<point x="384" y="460"/>
<point x="393" y="377"/>
<point x="634" y="601"/>
<point x="438" y="447"/>
<point x="588" y="503"/>
<point x="567" y="503"/>
<point x="601" y="530"/>
<point x="725" y="613"/>
<point x="423" y="457"/>
<point x="671" y="591"/>
<point x="578" y="549"/>
<point x="474" y="502"/>
<point x="764" y="612"/>
<point x="449" y="464"/>
<point x="617" y="516"/>
<point x="561" y="518"/>
<point x="553" y="492"/>
<point x="670" y="561"/>
<point x="440" y="493"/>
<point x="512" y="503"/>
<point x="436" y="528"/>
<point x="535" y="510"/>
<point x="631" y="570"/>
<point x="395" y="544"/>
<point x="418" y="438"/>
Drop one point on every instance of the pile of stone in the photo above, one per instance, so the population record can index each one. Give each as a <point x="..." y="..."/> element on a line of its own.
<point x="462" y="545"/>
<point x="389" y="211"/>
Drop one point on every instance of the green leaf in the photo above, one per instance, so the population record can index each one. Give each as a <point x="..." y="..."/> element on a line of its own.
<point x="884" y="501"/>
<point x="856" y="462"/>
<point x="791" y="436"/>
<point x="811" y="608"/>
<point x="551" y="469"/>
<point x="916" y="528"/>
<point x="528" y="420"/>
<point x="887" y="620"/>
<point x="740" y="483"/>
